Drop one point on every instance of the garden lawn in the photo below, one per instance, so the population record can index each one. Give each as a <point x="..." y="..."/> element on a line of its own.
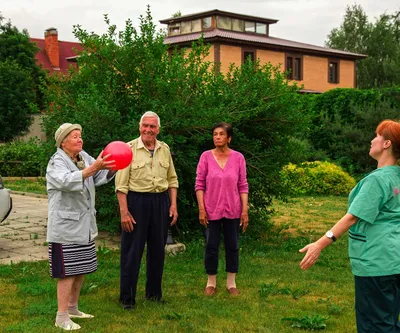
<point x="35" y="185"/>
<point x="271" y="283"/>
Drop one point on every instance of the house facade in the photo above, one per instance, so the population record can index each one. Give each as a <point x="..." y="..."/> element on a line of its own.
<point x="236" y="37"/>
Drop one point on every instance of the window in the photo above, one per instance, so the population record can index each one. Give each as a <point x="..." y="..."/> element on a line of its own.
<point x="248" y="54"/>
<point x="174" y="29"/>
<point x="237" y="25"/>
<point x="224" y="22"/>
<point x="294" y="67"/>
<point x="333" y="71"/>
<point x="261" y="28"/>
<point x="196" y="25"/>
<point x="186" y="27"/>
<point x="297" y="68"/>
<point x="289" y="67"/>
<point x="206" y="22"/>
<point x="249" y="27"/>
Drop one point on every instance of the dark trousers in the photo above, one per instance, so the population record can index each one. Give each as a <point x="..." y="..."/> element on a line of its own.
<point x="377" y="304"/>
<point x="230" y="229"/>
<point x="151" y="213"/>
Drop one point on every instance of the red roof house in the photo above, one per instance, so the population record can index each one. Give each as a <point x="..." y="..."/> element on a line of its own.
<point x="55" y="55"/>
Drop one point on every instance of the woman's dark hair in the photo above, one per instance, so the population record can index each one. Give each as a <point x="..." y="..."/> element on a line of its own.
<point x="227" y="128"/>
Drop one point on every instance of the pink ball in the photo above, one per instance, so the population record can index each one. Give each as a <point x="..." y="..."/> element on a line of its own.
<point x="120" y="152"/>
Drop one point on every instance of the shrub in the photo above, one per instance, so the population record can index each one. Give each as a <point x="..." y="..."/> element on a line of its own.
<point x="344" y="122"/>
<point x="316" y="178"/>
<point x="22" y="159"/>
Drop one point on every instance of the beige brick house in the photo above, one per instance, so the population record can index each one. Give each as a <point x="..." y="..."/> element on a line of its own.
<point x="236" y="37"/>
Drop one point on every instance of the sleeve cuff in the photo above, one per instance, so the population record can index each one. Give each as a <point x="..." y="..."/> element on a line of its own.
<point x="122" y="190"/>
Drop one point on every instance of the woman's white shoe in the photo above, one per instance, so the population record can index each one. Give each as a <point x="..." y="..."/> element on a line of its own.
<point x="68" y="325"/>
<point x="82" y="315"/>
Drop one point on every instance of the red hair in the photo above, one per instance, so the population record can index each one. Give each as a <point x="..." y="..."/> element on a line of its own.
<point x="390" y="130"/>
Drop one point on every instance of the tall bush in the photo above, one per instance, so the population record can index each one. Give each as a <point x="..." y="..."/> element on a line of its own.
<point x="345" y="121"/>
<point x="123" y="74"/>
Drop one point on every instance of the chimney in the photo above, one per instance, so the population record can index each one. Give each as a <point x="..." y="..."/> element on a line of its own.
<point x="51" y="47"/>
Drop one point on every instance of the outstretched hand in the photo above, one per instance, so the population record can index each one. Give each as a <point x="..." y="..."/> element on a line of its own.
<point x="313" y="250"/>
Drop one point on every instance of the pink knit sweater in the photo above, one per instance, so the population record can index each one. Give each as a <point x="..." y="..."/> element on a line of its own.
<point x="222" y="187"/>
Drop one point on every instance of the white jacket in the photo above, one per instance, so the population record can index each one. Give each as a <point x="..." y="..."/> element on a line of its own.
<point x="71" y="216"/>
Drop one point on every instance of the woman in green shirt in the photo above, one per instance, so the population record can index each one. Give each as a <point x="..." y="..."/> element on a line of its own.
<point x="373" y="222"/>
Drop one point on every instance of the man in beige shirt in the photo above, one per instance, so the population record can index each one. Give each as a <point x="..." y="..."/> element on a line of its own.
<point x="147" y="193"/>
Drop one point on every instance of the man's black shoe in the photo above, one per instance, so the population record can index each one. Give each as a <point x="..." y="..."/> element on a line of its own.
<point x="156" y="299"/>
<point x="127" y="306"/>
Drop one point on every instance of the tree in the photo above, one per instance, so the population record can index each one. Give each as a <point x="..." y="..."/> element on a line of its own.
<point x="345" y="121"/>
<point x="177" y="14"/>
<point x="380" y="41"/>
<point x="123" y="74"/>
<point x="353" y="34"/>
<point x="16" y="46"/>
<point x="16" y="100"/>
<point x="20" y="81"/>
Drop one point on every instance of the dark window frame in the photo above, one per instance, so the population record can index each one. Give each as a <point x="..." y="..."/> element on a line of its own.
<point x="336" y="79"/>
<point x="249" y="50"/>
<point x="291" y="57"/>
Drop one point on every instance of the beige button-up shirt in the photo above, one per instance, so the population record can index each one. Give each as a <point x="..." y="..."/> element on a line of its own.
<point x="147" y="173"/>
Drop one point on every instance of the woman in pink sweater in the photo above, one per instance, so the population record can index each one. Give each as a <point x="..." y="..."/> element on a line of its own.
<point x="222" y="195"/>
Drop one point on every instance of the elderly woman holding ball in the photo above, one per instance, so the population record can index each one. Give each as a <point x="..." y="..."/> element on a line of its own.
<point x="71" y="176"/>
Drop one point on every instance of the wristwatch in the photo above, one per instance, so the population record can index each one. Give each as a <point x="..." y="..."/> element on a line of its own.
<point x="330" y="235"/>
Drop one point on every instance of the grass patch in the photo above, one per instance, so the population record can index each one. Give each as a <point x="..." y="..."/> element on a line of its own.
<point x="37" y="186"/>
<point x="271" y="282"/>
<point x="309" y="215"/>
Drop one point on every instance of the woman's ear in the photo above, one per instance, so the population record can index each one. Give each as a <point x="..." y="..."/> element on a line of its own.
<point x="387" y="144"/>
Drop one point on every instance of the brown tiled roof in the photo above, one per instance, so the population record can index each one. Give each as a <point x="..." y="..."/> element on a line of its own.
<point x="265" y="41"/>
<point x="217" y="12"/>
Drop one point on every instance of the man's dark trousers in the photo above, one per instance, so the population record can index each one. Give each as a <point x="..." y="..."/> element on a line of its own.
<point x="151" y="214"/>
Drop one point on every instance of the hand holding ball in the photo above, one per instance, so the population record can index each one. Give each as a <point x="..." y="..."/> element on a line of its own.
<point x="120" y="152"/>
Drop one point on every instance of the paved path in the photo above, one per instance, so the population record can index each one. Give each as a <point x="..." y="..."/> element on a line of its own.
<point x="23" y="234"/>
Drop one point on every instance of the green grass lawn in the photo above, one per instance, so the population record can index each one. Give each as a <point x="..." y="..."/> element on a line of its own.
<point x="37" y="186"/>
<point x="271" y="283"/>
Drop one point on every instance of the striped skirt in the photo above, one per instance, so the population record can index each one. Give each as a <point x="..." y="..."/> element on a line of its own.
<point x="71" y="259"/>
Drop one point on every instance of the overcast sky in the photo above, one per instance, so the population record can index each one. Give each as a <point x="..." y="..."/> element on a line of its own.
<point x="308" y="21"/>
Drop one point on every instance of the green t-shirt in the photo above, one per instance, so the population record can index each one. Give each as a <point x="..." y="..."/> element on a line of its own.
<point x="374" y="241"/>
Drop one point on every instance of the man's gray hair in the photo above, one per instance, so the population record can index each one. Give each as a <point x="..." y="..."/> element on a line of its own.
<point x="150" y="114"/>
